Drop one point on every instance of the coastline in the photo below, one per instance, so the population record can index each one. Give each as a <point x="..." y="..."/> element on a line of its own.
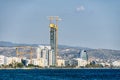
<point x="51" y="68"/>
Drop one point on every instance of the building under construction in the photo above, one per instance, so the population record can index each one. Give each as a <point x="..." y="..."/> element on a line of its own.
<point x="54" y="36"/>
<point x="22" y="50"/>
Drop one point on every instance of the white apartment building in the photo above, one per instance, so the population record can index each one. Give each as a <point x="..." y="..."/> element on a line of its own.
<point x="116" y="63"/>
<point x="16" y="59"/>
<point x="45" y="54"/>
<point x="42" y="62"/>
<point x="35" y="62"/>
<point x="60" y="62"/>
<point x="81" y="62"/>
<point x="50" y="58"/>
<point x="2" y="59"/>
<point x="8" y="60"/>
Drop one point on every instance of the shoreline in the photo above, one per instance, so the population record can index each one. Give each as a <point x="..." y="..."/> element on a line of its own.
<point x="51" y="68"/>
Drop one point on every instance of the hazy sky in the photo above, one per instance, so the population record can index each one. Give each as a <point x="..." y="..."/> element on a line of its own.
<point x="85" y="23"/>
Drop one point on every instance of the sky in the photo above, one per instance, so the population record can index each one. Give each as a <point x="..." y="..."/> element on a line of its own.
<point x="85" y="23"/>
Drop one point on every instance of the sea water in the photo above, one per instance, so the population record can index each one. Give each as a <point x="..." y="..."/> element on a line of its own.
<point x="60" y="74"/>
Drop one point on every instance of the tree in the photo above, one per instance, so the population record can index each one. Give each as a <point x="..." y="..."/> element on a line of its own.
<point x="30" y="65"/>
<point x="20" y="65"/>
<point x="10" y="65"/>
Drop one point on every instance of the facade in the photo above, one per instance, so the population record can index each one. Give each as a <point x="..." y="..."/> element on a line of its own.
<point x="45" y="55"/>
<point x="116" y="63"/>
<point x="38" y="53"/>
<point x="53" y="41"/>
<point x="8" y="60"/>
<point x="81" y="62"/>
<point x="2" y="59"/>
<point x="51" y="58"/>
<point x="84" y="55"/>
<point x="61" y="62"/>
<point x="16" y="59"/>
<point x="42" y="62"/>
<point x="35" y="62"/>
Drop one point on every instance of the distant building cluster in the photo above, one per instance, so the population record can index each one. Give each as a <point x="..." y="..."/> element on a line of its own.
<point x="45" y="57"/>
<point x="83" y="58"/>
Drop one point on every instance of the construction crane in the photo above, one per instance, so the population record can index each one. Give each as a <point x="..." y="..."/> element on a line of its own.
<point x="54" y="35"/>
<point x="21" y="53"/>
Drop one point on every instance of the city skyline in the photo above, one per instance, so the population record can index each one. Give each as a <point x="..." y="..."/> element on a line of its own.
<point x="85" y="23"/>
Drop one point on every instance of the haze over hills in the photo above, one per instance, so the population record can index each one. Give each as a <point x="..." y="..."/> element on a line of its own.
<point x="65" y="52"/>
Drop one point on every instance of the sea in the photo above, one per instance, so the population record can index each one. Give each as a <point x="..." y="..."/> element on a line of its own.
<point x="60" y="74"/>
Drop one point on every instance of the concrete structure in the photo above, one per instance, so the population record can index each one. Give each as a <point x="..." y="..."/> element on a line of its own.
<point x="8" y="60"/>
<point x="42" y="62"/>
<point x="16" y="59"/>
<point x="54" y="36"/>
<point x="2" y="59"/>
<point x="38" y="53"/>
<point x="81" y="62"/>
<point x="116" y="63"/>
<point x="35" y="62"/>
<point x="61" y="62"/>
<point x="50" y="58"/>
<point x="45" y="55"/>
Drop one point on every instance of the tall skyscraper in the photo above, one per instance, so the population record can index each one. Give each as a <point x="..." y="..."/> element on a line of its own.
<point x="54" y="37"/>
<point x="53" y="43"/>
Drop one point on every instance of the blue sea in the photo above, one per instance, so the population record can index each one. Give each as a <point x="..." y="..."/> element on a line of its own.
<point x="60" y="74"/>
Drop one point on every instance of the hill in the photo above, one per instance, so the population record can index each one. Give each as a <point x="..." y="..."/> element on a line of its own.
<point x="65" y="52"/>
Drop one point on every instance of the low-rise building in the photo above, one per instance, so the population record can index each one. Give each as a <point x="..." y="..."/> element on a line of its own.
<point x="81" y="62"/>
<point x="8" y="60"/>
<point x="35" y="62"/>
<point x="60" y="62"/>
<point x="42" y="62"/>
<point x="116" y="63"/>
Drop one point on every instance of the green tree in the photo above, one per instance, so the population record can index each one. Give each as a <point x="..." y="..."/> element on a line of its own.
<point x="30" y="65"/>
<point x="20" y="65"/>
<point x="10" y="65"/>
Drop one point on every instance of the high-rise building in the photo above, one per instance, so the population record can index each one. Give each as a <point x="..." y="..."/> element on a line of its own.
<point x="46" y="54"/>
<point x="53" y="39"/>
<point x="2" y="59"/>
<point x="84" y="55"/>
<point x="38" y="53"/>
<point x="54" y="36"/>
<point x="51" y="58"/>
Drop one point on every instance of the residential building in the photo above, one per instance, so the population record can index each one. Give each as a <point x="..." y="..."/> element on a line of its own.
<point x="60" y="62"/>
<point x="116" y="63"/>
<point x="81" y="62"/>
<point x="2" y="59"/>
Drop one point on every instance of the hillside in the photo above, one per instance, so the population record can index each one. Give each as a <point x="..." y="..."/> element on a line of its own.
<point x="66" y="52"/>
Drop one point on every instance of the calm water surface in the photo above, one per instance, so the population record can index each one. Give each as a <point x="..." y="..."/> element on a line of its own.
<point x="60" y="74"/>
